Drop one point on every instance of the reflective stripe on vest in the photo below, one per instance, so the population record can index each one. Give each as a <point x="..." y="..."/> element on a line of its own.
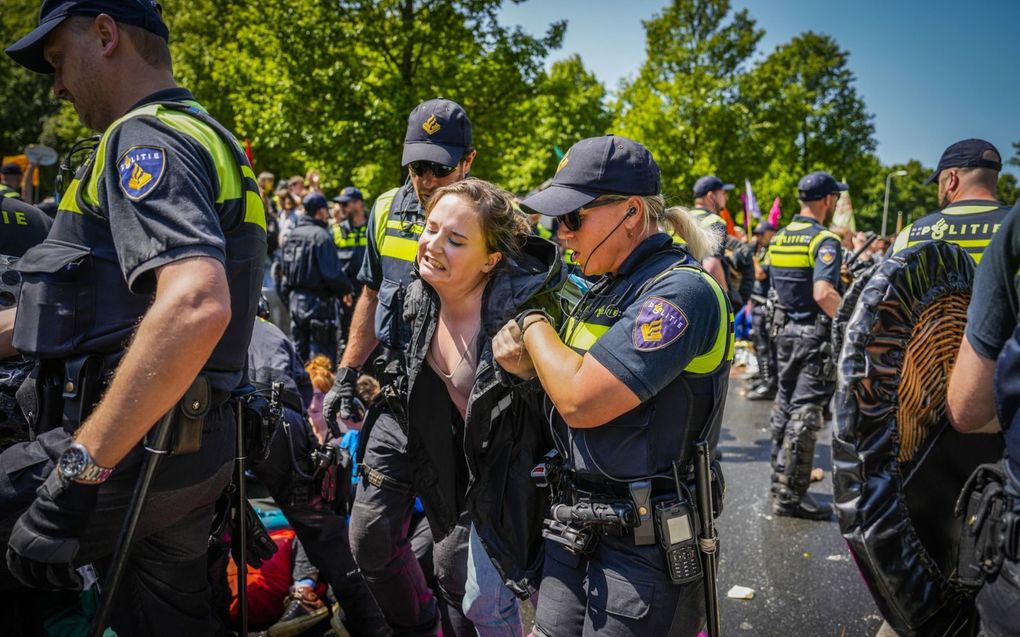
<point x="582" y="335"/>
<point x="970" y="226"/>
<point x="7" y="191"/>
<point x="791" y="250"/>
<point x="356" y="238"/>
<point x="394" y="238"/>
<point x="191" y="121"/>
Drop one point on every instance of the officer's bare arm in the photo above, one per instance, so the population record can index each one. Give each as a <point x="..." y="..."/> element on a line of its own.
<point x="174" y="340"/>
<point x="7" y="333"/>
<point x="361" y="340"/>
<point x="970" y="401"/>
<point x="714" y="267"/>
<point x="585" y="393"/>
<point x="826" y="297"/>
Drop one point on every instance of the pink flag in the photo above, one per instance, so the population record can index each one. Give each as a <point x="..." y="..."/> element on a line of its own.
<point x="775" y="213"/>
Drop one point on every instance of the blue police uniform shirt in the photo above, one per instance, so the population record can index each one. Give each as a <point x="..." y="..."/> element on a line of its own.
<point x="828" y="257"/>
<point x="22" y="226"/>
<point x="645" y="355"/>
<point x="994" y="303"/>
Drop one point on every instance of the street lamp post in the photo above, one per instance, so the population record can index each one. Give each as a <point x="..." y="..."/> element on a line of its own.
<point x="885" y="208"/>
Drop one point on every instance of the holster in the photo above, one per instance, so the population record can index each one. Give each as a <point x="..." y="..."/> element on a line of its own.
<point x="990" y="530"/>
<point x="188" y="417"/>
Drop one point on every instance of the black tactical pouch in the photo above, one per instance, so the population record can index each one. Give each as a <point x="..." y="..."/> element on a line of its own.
<point x="983" y="505"/>
<point x="188" y="417"/>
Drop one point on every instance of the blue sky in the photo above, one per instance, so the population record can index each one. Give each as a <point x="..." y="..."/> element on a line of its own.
<point x="930" y="72"/>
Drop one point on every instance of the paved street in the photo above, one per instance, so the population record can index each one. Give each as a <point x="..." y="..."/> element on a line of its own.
<point x="804" y="580"/>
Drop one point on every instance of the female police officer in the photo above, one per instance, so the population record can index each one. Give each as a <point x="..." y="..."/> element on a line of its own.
<point x="636" y="375"/>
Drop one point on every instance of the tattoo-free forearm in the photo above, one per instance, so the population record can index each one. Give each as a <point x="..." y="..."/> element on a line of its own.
<point x="361" y="340"/>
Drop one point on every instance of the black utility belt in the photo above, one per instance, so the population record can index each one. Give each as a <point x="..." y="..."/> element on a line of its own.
<point x="990" y="524"/>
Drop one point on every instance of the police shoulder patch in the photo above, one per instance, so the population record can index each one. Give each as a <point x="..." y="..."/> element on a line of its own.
<point x="141" y="169"/>
<point x="658" y="324"/>
<point x="827" y="254"/>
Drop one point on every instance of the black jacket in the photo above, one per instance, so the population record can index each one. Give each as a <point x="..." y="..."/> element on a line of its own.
<point x="310" y="261"/>
<point x="484" y="464"/>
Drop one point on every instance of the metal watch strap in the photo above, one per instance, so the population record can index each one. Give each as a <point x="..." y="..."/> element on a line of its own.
<point x="93" y="474"/>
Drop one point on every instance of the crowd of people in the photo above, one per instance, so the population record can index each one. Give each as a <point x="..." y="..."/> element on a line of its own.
<point x="475" y="398"/>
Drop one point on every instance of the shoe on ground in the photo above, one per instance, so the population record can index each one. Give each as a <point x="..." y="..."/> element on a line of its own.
<point x="761" y="392"/>
<point x="807" y="508"/>
<point x="302" y="609"/>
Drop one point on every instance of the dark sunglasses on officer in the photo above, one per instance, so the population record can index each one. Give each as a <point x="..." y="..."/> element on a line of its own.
<point x="438" y="171"/>
<point x="572" y="220"/>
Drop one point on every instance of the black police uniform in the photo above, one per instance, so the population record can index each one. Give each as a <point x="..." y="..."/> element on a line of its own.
<point x="764" y="345"/>
<point x="313" y="281"/>
<point x="970" y="224"/>
<point x="320" y="525"/>
<point x="384" y="503"/>
<point x="22" y="226"/>
<point x="800" y="254"/>
<point x="992" y="332"/>
<point x="663" y="327"/>
<point x="165" y="183"/>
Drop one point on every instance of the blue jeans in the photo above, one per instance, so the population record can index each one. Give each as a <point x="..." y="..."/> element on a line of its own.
<point x="490" y="605"/>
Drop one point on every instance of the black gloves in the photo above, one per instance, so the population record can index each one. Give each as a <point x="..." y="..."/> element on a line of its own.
<point x="45" y="539"/>
<point x="342" y="399"/>
<point x="260" y="546"/>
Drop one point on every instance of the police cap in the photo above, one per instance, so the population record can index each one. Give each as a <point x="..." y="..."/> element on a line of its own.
<point x="348" y="194"/>
<point x="10" y="169"/>
<point x="708" y="184"/>
<point x="764" y="227"/>
<point x="607" y="165"/>
<point x="312" y="202"/>
<point x="817" y="185"/>
<point x="966" y="153"/>
<point x="438" y="131"/>
<point x="28" y="51"/>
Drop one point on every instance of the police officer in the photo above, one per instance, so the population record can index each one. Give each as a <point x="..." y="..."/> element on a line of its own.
<point x="290" y="475"/>
<point x="10" y="180"/>
<point x="21" y="226"/>
<point x="764" y="346"/>
<point x="985" y="398"/>
<point x="437" y="151"/>
<point x="804" y="262"/>
<point x="350" y="234"/>
<point x="313" y="281"/>
<point x="637" y="374"/>
<point x="968" y="176"/>
<point x="709" y="198"/>
<point x="159" y="244"/>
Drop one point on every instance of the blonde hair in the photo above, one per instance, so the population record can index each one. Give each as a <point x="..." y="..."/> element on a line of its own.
<point x="678" y="221"/>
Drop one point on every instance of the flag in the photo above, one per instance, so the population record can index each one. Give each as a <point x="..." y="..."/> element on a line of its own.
<point x="775" y="214"/>
<point x="751" y="205"/>
<point x="247" y="151"/>
<point x="844" y="215"/>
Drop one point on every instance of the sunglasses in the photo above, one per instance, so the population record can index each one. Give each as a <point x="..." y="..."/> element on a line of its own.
<point x="572" y="220"/>
<point x="438" y="171"/>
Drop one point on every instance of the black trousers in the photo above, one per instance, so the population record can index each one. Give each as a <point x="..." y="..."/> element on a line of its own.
<point x="165" y="589"/>
<point x="764" y="346"/>
<point x="319" y="525"/>
<point x="313" y="325"/>
<point x="380" y="524"/>
<point x="797" y="412"/>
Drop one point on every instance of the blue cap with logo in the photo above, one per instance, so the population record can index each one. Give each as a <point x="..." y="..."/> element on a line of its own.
<point x="818" y="185"/>
<point x="348" y="194"/>
<point x="438" y="131"/>
<point x="607" y="165"/>
<point x="28" y="51"/>
<point x="967" y="153"/>
<point x="709" y="183"/>
<point x="314" y="201"/>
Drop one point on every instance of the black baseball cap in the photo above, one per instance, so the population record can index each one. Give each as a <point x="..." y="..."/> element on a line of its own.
<point x="966" y="153"/>
<point x="28" y="51"/>
<point x="709" y="183"/>
<point x="438" y="131"/>
<point x="764" y="227"/>
<point x="313" y="201"/>
<point x="608" y="165"/>
<point x="817" y="185"/>
<point x="350" y="193"/>
<point x="10" y="169"/>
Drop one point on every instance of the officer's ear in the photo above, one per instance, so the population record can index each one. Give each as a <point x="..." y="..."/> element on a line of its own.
<point x="467" y="160"/>
<point x="109" y="34"/>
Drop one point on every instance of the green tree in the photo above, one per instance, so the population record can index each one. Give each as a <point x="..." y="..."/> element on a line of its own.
<point x="806" y="115"/>
<point x="683" y="104"/>
<point x="327" y="84"/>
<point x="567" y="105"/>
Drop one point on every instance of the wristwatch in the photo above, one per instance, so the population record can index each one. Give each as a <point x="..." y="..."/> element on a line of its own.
<point x="77" y="464"/>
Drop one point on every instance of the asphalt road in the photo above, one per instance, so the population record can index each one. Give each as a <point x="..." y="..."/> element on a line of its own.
<point x="804" y="580"/>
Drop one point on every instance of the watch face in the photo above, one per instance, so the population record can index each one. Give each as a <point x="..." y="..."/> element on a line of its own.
<point x="72" y="462"/>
